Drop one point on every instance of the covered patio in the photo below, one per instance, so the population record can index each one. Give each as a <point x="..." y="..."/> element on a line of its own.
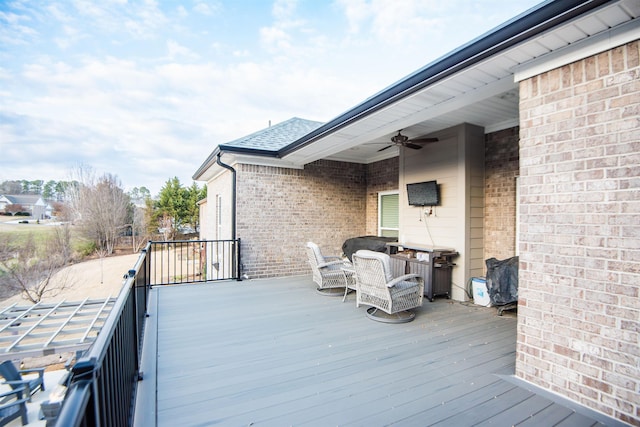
<point x="274" y="352"/>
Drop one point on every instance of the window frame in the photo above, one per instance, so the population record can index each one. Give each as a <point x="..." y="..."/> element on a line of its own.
<point x="381" y="195"/>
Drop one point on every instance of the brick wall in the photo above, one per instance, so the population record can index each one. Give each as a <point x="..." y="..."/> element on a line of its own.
<point x="381" y="176"/>
<point x="279" y="210"/>
<point x="579" y="286"/>
<point x="502" y="166"/>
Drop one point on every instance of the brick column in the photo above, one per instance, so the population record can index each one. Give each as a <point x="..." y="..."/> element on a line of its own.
<point x="579" y="307"/>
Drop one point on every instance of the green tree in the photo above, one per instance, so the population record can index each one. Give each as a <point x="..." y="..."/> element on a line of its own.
<point x="139" y="195"/>
<point x="62" y="187"/>
<point x="49" y="190"/>
<point x="32" y="187"/>
<point x="194" y="195"/>
<point x="171" y="207"/>
<point x="177" y="207"/>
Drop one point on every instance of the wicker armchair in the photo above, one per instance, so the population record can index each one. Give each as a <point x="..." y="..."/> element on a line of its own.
<point x="328" y="271"/>
<point x="389" y="297"/>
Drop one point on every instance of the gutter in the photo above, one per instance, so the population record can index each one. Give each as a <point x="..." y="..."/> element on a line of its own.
<point x="529" y="24"/>
<point x="221" y="149"/>
<point x="233" y="194"/>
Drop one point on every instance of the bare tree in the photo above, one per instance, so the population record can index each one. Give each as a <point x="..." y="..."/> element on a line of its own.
<point x="30" y="270"/>
<point x="140" y="228"/>
<point x="61" y="242"/>
<point x="100" y="207"/>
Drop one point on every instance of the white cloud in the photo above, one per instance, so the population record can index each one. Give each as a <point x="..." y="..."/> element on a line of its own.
<point x="145" y="90"/>
<point x="176" y="50"/>
<point x="71" y="36"/>
<point x="14" y="29"/>
<point x="286" y="27"/>
<point x="356" y="12"/>
<point x="241" y="53"/>
<point x="182" y="12"/>
<point x="275" y="39"/>
<point x="206" y="9"/>
<point x="139" y="19"/>
<point x="392" y="22"/>
<point x="400" y="22"/>
<point x="283" y="10"/>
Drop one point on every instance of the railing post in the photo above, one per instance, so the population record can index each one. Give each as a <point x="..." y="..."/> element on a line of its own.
<point x="238" y="261"/>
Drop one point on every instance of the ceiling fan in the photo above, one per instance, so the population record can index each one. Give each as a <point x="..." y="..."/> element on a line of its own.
<point x="404" y="141"/>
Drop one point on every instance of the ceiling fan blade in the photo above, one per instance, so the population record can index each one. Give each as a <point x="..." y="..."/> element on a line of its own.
<point x="382" y="149"/>
<point x="414" y="146"/>
<point x="423" y="140"/>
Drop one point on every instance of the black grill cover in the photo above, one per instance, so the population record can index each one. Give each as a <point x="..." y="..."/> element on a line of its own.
<point x="502" y="280"/>
<point x="372" y="243"/>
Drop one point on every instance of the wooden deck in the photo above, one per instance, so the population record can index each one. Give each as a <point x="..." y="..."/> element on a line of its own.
<point x="275" y="353"/>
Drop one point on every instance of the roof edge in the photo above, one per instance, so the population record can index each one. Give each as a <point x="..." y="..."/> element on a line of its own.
<point x="530" y="23"/>
<point x="226" y="149"/>
<point x="206" y="164"/>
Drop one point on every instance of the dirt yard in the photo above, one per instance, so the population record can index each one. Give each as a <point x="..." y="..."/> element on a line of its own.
<point x="93" y="279"/>
<point x="96" y="278"/>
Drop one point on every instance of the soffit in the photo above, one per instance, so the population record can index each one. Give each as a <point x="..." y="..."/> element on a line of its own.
<point x="484" y="94"/>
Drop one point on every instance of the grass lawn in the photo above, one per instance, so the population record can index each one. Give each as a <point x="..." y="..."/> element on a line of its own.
<point x="39" y="231"/>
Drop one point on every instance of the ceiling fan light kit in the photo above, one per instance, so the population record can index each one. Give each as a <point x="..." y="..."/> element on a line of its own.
<point x="399" y="139"/>
<point x="404" y="141"/>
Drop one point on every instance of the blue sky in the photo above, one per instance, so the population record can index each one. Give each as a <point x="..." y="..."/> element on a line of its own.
<point x="146" y="89"/>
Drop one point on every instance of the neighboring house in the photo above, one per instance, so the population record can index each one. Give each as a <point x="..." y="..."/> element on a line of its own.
<point x="538" y="155"/>
<point x="48" y="211"/>
<point x="33" y="204"/>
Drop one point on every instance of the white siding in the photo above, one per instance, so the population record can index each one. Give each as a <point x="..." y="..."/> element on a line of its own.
<point x="456" y="161"/>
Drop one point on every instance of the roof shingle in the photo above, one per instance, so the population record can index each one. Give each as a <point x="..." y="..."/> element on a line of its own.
<point x="275" y="137"/>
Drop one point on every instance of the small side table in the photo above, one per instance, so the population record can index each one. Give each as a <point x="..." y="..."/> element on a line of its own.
<point x="350" y="278"/>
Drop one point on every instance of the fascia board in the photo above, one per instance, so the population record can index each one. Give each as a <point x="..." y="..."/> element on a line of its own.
<point x="625" y="33"/>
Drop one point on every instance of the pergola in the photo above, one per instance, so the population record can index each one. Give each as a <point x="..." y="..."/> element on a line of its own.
<point x="44" y="329"/>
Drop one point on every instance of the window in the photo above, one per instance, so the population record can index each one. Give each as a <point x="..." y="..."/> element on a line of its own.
<point x="218" y="216"/>
<point x="388" y="213"/>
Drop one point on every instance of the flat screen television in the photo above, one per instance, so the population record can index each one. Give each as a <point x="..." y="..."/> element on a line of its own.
<point x="423" y="194"/>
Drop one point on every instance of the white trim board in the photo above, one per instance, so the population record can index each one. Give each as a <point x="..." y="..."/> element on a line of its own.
<point x="625" y="33"/>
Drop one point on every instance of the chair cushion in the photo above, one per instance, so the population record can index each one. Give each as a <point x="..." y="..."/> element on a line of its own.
<point x="382" y="257"/>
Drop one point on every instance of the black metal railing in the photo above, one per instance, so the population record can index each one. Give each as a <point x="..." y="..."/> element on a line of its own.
<point x="191" y="261"/>
<point x="103" y="382"/>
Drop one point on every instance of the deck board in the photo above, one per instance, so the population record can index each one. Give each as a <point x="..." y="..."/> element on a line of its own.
<point x="274" y="352"/>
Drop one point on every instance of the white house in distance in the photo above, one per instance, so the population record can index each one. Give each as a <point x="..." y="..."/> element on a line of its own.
<point x="33" y="204"/>
<point x="537" y="155"/>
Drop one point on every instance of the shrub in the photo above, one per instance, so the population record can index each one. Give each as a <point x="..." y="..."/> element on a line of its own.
<point x="86" y="248"/>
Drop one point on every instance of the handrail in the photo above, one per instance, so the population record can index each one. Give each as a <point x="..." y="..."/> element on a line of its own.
<point x="193" y="261"/>
<point x="103" y="382"/>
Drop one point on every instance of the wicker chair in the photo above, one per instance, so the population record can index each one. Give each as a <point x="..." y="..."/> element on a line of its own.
<point x="328" y="272"/>
<point x="389" y="297"/>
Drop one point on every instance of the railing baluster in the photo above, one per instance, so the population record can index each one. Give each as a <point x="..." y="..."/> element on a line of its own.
<point x="195" y="261"/>
<point x="104" y="380"/>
